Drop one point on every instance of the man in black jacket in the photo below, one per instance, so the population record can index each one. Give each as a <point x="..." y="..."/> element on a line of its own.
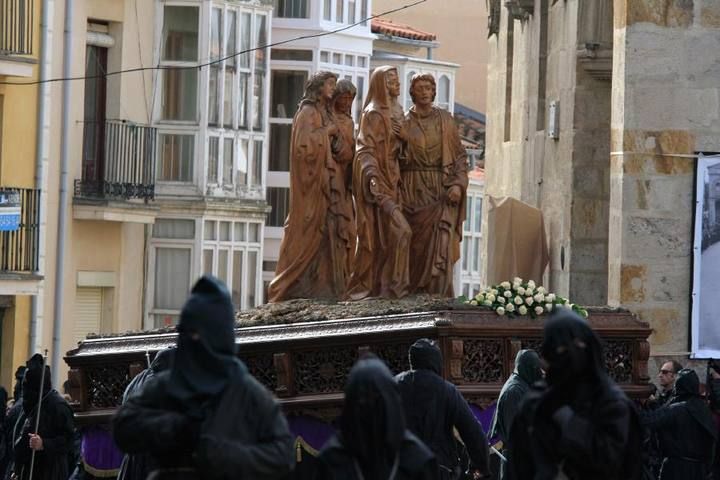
<point x="207" y="417"/>
<point x="434" y="407"/>
<point x="53" y="441"/>
<point x="686" y="431"/>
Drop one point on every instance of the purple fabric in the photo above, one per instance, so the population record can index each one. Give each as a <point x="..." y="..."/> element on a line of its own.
<point x="485" y="417"/>
<point x="314" y="432"/>
<point x="99" y="451"/>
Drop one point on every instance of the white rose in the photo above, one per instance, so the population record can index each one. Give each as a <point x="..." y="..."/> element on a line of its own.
<point x="479" y="297"/>
<point x="549" y="307"/>
<point x="529" y="301"/>
<point x="522" y="310"/>
<point x="529" y="291"/>
<point x="531" y="284"/>
<point x="517" y="280"/>
<point x="551" y="297"/>
<point x="541" y="290"/>
<point x="539" y="297"/>
<point x="505" y="284"/>
<point x="519" y="301"/>
<point x="494" y="291"/>
<point x="501" y="300"/>
<point x="539" y="310"/>
<point x="507" y="294"/>
<point x="473" y="302"/>
<point x="487" y="303"/>
<point x="491" y="297"/>
<point x="510" y="307"/>
<point x="521" y="291"/>
<point x="500" y="311"/>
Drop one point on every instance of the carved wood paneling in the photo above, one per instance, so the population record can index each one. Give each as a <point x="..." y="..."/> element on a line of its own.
<point x="483" y="361"/>
<point x="262" y="367"/>
<point x="618" y="356"/>
<point x="323" y="371"/>
<point x="394" y="355"/>
<point x="106" y="385"/>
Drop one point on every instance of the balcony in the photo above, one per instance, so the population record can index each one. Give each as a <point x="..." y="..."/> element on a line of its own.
<point x="118" y="161"/>
<point x="19" y="230"/>
<point x="16" y="27"/>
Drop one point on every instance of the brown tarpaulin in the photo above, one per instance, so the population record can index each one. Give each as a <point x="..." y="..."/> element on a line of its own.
<point x="516" y="243"/>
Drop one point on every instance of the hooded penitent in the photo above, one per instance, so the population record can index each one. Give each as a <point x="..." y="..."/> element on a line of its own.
<point x="372" y="424"/>
<point x="425" y="355"/>
<point x="205" y="361"/>
<point x="687" y="389"/>
<point x="31" y="386"/>
<point x="17" y="390"/>
<point x="163" y="361"/>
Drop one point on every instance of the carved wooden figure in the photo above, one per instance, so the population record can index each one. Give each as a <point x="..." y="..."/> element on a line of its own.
<point x="434" y="184"/>
<point x="381" y="266"/>
<point x="307" y="267"/>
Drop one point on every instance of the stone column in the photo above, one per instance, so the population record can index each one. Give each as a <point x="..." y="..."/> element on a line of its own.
<point x="666" y="61"/>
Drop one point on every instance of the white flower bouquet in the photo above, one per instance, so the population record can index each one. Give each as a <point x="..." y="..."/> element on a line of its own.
<point x="519" y="298"/>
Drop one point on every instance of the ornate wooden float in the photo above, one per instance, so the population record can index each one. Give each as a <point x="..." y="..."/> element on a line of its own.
<point x="306" y="363"/>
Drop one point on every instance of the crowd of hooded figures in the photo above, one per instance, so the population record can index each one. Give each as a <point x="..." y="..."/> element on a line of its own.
<point x="197" y="413"/>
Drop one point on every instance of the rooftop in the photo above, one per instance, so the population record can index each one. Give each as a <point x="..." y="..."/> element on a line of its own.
<point x="384" y="26"/>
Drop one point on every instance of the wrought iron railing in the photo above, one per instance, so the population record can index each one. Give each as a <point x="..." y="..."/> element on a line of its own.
<point x="19" y="229"/>
<point x="16" y="27"/>
<point x="126" y="163"/>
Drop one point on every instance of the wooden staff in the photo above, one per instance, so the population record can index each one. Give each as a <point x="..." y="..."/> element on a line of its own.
<point x="37" y="418"/>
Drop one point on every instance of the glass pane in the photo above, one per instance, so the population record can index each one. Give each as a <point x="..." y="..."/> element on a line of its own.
<point x="215" y="33"/>
<point x="339" y="11"/>
<point x="176" y="158"/>
<point x="466" y="290"/>
<point x="180" y="33"/>
<point x="286" y="89"/>
<point x="174" y="228"/>
<point x="359" y="98"/>
<point x="291" y="8"/>
<point x="260" y="69"/>
<point x="478" y="215"/>
<point x="240" y="228"/>
<point x="362" y="62"/>
<point x="258" y="101"/>
<point x="280" y="147"/>
<point x="225" y="231"/>
<point x="349" y="60"/>
<point x="364" y="10"/>
<point x="327" y="13"/>
<point x="237" y="283"/>
<point x="210" y="232"/>
<point x="256" y="178"/>
<point x="443" y="91"/>
<point x="325" y="57"/>
<point x="279" y="199"/>
<point x="467" y="224"/>
<point x="254" y="232"/>
<point x="242" y="166"/>
<point x="294" y="55"/>
<point x="242" y="100"/>
<point x="213" y="159"/>
<point x="476" y="254"/>
<point x="228" y="161"/>
<point x="208" y="262"/>
<point x="222" y="267"/>
<point x="351" y="11"/>
<point x="214" y="96"/>
<point x="162" y="320"/>
<point x="466" y="253"/>
<point x="180" y="94"/>
<point x="228" y="99"/>
<point x="337" y="58"/>
<point x="252" y="264"/>
<point x="245" y="36"/>
<point x="172" y="277"/>
<point x="230" y="48"/>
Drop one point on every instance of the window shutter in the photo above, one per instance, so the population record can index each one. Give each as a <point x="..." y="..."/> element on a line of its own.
<point x="88" y="311"/>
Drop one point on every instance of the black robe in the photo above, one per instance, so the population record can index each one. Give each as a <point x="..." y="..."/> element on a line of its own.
<point x="244" y="434"/>
<point x="415" y="461"/>
<point x="56" y="430"/>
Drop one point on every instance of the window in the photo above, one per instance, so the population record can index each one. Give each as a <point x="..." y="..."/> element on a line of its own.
<point x="172" y="241"/>
<point x="280" y="147"/>
<point x="260" y="72"/>
<point x="230" y="70"/>
<point x="242" y="169"/>
<point x="408" y="82"/>
<point x="257" y="164"/>
<point x="287" y="87"/>
<point x="351" y="12"/>
<point x="291" y="8"/>
<point x="215" y="69"/>
<point x="327" y="13"/>
<point x="279" y="199"/>
<point x="472" y="237"/>
<point x="293" y="55"/>
<point x="359" y="98"/>
<point x="364" y="10"/>
<point x="176" y="158"/>
<point x="325" y="56"/>
<point x="180" y="50"/>
<point x="213" y="159"/>
<point x="443" y="93"/>
<point x="339" y="11"/>
<point x="228" y="162"/>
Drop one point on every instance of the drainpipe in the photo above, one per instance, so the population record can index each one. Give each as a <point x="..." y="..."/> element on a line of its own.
<point x="63" y="195"/>
<point x="41" y="156"/>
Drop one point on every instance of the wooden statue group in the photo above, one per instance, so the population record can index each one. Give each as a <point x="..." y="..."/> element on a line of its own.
<point x="380" y="216"/>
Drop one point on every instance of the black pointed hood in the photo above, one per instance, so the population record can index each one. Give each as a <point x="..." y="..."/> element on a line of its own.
<point x="425" y="355"/>
<point x="31" y="382"/>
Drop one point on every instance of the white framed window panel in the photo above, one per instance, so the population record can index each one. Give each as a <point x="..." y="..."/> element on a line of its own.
<point x="351" y="66"/>
<point x="470" y="259"/>
<point x="340" y="12"/>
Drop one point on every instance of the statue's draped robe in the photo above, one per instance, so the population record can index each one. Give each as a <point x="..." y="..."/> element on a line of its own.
<point x="381" y="266"/>
<point x="435" y="161"/>
<point x="341" y="201"/>
<point x="308" y="266"/>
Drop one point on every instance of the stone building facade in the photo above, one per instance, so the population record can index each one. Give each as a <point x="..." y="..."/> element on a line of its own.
<point x="595" y="112"/>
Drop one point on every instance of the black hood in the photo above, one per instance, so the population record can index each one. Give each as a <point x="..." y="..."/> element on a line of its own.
<point x="572" y="351"/>
<point x="164" y="360"/>
<point x="687" y="390"/>
<point x="205" y="360"/>
<point x="31" y="382"/>
<point x="527" y="366"/>
<point x="17" y="390"/>
<point x="425" y="355"/>
<point x="372" y="423"/>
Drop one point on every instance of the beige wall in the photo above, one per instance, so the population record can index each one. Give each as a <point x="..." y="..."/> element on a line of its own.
<point x="660" y="108"/>
<point x="461" y="27"/>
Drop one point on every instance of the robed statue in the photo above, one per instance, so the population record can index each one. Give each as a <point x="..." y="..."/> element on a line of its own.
<point x="381" y="266"/>
<point x="433" y="193"/>
<point x="319" y="230"/>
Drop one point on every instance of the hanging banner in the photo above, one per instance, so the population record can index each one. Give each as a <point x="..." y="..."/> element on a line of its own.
<point x="705" y="333"/>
